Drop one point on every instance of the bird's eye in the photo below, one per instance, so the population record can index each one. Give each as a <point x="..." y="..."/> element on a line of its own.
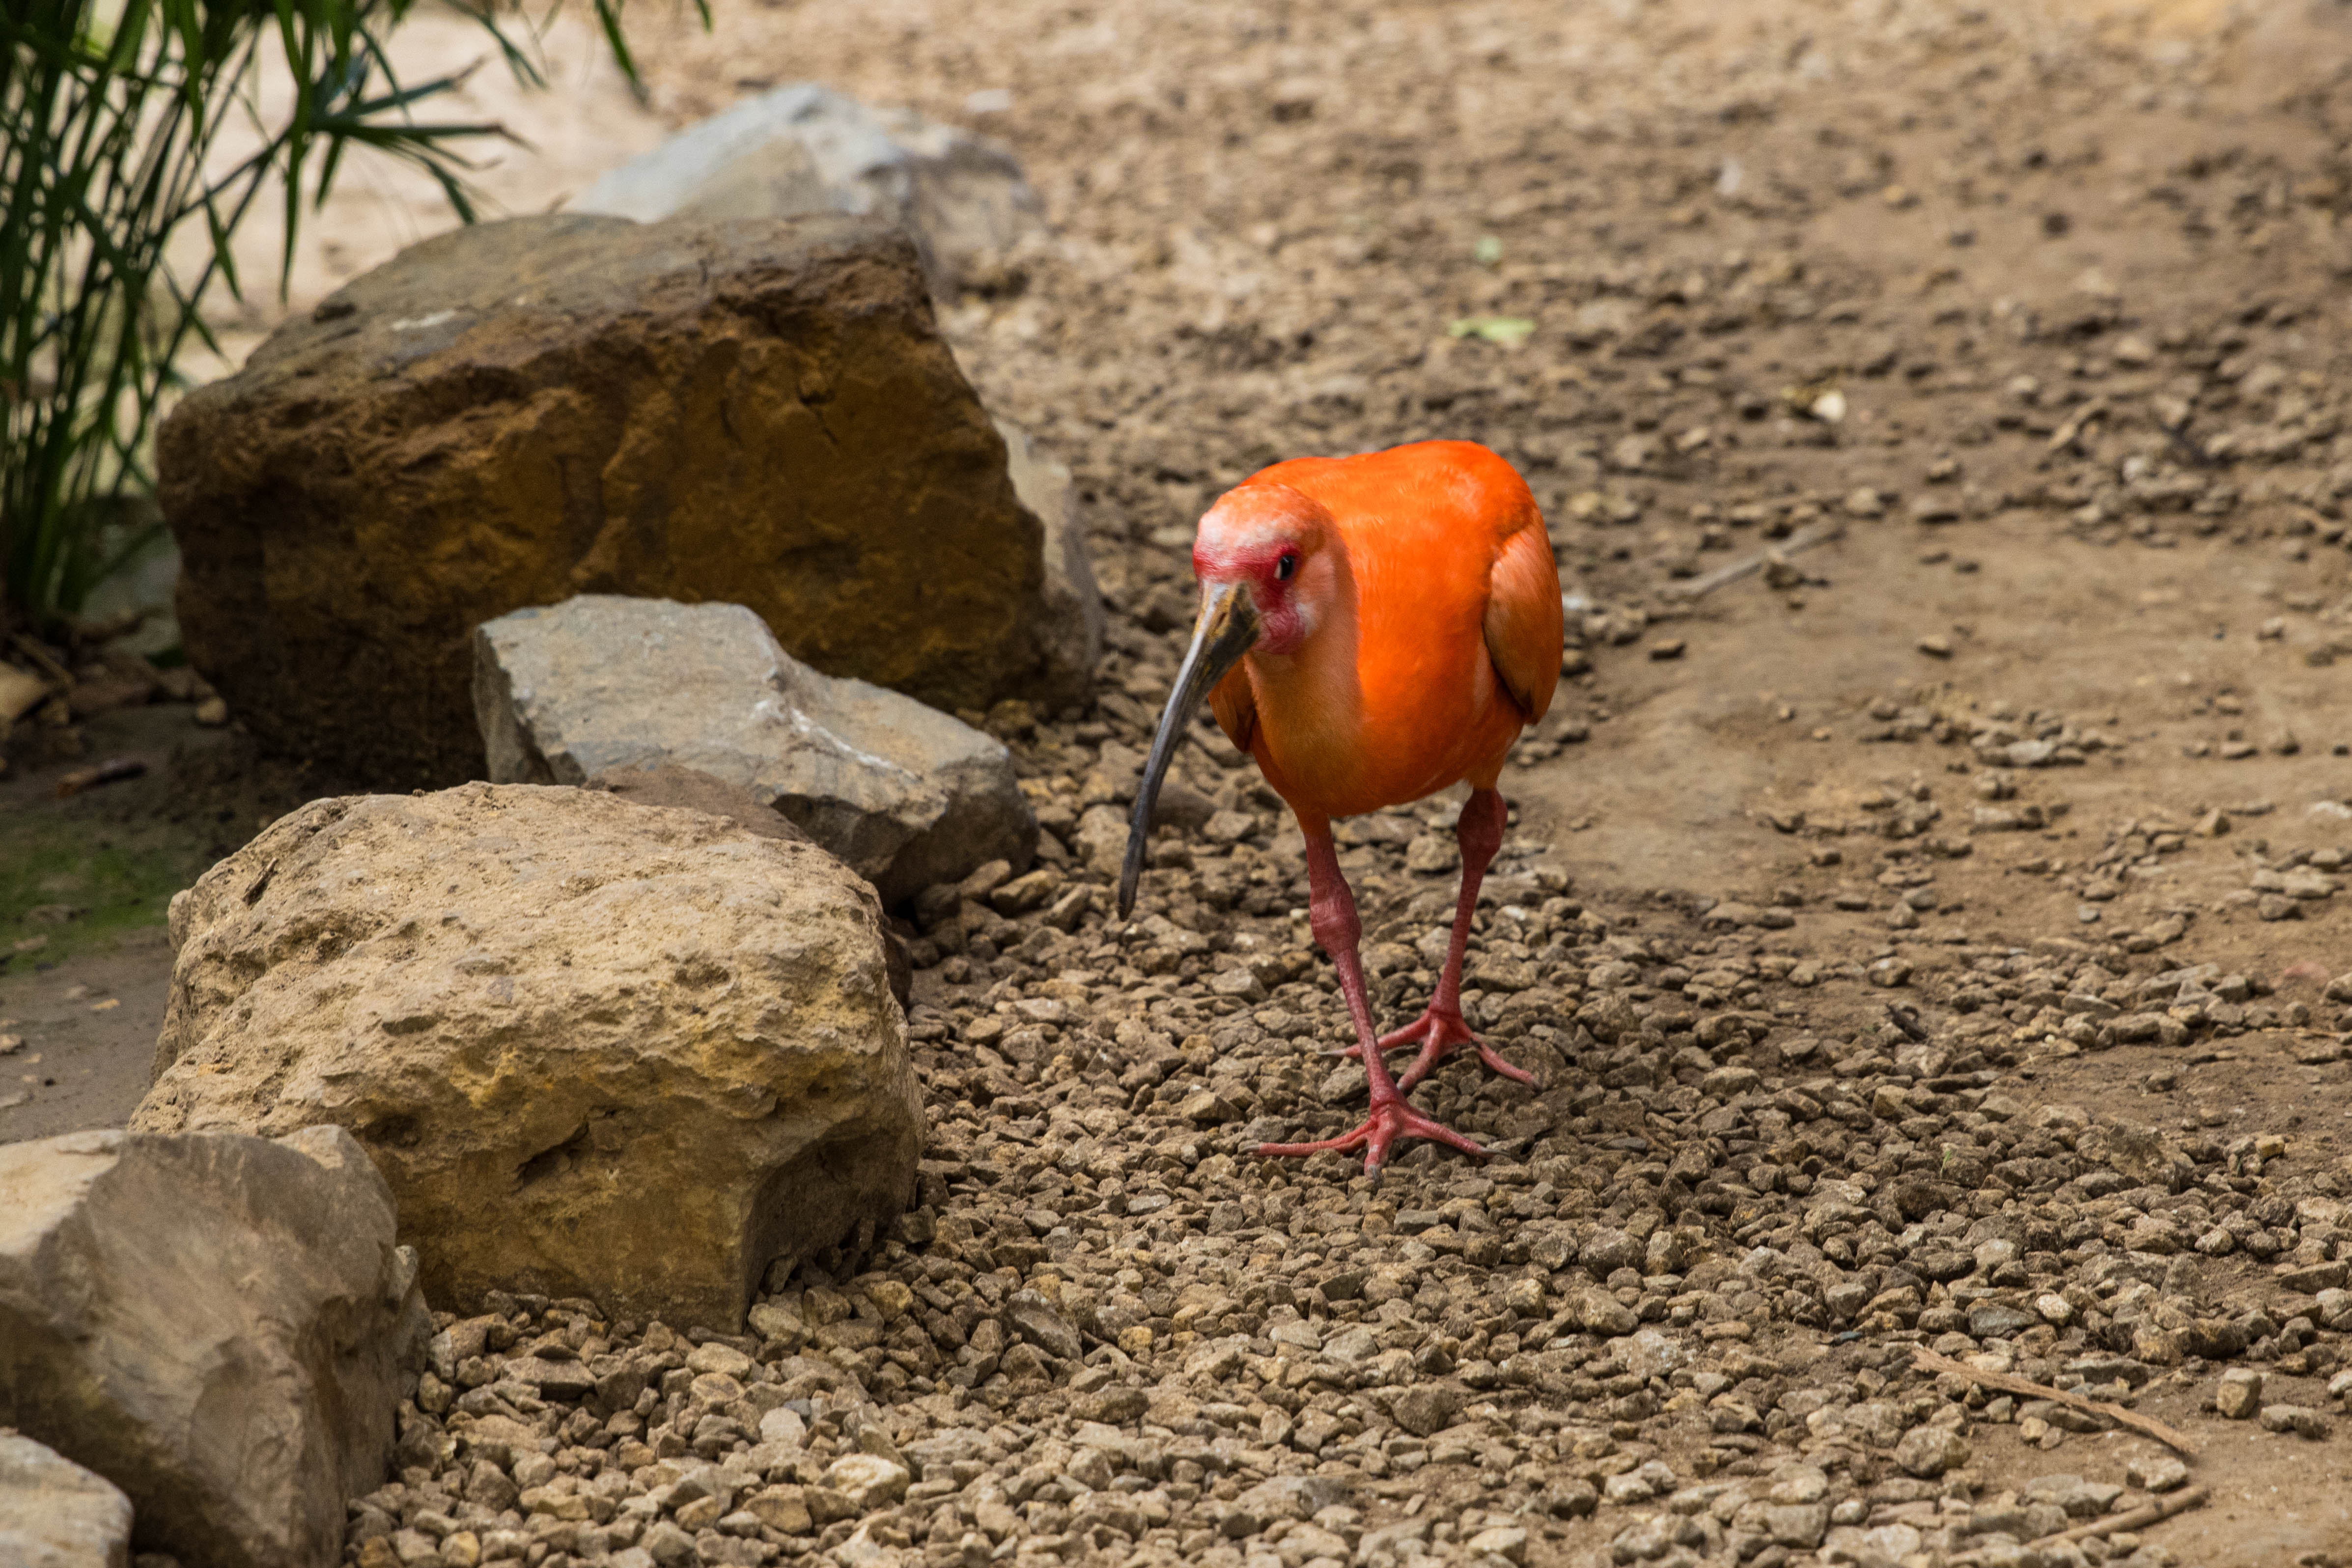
<point x="1286" y="568"/>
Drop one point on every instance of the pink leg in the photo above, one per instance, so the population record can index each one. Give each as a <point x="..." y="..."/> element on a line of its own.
<point x="1441" y="1027"/>
<point x="1331" y="910"/>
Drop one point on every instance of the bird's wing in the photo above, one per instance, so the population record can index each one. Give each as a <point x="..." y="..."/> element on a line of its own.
<point x="1523" y="619"/>
<point x="1235" y="703"/>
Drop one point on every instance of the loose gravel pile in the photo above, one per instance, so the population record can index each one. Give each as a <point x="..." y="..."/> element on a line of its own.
<point x="1788" y="1134"/>
<point x="1679" y="1301"/>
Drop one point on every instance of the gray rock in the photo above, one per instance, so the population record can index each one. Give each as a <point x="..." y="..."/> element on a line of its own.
<point x="1798" y="1482"/>
<point x="2313" y="1277"/>
<point x="903" y="794"/>
<point x="2000" y="1319"/>
<point x="2141" y="1154"/>
<point x="1042" y="1326"/>
<point x="220" y="1325"/>
<point x="1599" y="1312"/>
<point x="1608" y="1250"/>
<point x="1071" y="635"/>
<point x="2300" y="1419"/>
<point x="1294" y="1496"/>
<point x="804" y="147"/>
<point x="1643" y="1540"/>
<point x="868" y="1480"/>
<point x="1800" y="1525"/>
<point x="1427" y="1408"/>
<point x="1101" y="838"/>
<point x="2239" y="1393"/>
<point x="2156" y="1473"/>
<point x="2074" y="1495"/>
<point x="1929" y="1451"/>
<point x="55" y="1514"/>
<point x="933" y="1455"/>
<point x="667" y="1545"/>
<point x="597" y="1050"/>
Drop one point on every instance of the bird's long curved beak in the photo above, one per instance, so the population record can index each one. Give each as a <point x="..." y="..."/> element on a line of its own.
<point x="1227" y="628"/>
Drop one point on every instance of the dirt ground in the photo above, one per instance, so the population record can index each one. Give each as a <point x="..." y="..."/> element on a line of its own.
<point x="2039" y="314"/>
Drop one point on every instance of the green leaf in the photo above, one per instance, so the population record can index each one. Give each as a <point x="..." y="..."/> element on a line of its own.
<point x="1508" y="330"/>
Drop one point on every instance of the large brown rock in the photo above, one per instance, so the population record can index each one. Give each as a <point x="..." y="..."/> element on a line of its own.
<point x="754" y="411"/>
<point x="599" y="1049"/>
<point x="220" y="1325"/>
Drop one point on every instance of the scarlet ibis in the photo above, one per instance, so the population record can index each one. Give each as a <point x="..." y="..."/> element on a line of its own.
<point x="1372" y="629"/>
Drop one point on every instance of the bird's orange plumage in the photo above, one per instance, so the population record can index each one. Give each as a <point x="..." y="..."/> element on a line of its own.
<point x="1445" y="643"/>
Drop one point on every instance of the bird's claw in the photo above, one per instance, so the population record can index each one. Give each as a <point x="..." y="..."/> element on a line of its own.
<point x="1391" y="1121"/>
<point x="1438" y="1033"/>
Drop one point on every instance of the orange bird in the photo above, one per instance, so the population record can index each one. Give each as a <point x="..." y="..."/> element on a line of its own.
<point x="1372" y="629"/>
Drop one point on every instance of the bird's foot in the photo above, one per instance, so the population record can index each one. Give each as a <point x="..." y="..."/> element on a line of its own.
<point x="1438" y="1033"/>
<point x="1392" y="1120"/>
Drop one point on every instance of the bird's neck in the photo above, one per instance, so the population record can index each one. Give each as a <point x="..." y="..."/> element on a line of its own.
<point x="1310" y="708"/>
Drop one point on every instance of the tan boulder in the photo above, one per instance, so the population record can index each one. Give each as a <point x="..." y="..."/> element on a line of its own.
<point x="598" y="1049"/>
<point x="756" y="411"/>
<point x="221" y="1326"/>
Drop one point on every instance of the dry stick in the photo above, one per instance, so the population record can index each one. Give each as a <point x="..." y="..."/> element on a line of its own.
<point x="1819" y="533"/>
<point x="2065" y="436"/>
<point x="105" y="773"/>
<point x="40" y="656"/>
<point x="2146" y="1425"/>
<point x="2154" y="1513"/>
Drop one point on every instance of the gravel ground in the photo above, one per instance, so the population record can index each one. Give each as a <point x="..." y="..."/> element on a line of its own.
<point x="1930" y="944"/>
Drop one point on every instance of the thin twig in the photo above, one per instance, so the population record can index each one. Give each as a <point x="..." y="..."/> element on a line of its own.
<point x="2138" y="1518"/>
<point x="40" y="656"/>
<point x="109" y="772"/>
<point x="1804" y="539"/>
<point x="2171" y="1438"/>
<point x="2071" y="429"/>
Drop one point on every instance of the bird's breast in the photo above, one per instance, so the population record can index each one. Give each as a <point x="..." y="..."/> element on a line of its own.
<point x="1340" y="737"/>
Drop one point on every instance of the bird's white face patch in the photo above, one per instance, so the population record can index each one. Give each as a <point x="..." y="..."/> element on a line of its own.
<point x="1269" y="537"/>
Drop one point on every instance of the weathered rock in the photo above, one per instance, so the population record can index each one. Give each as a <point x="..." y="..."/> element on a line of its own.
<point x="1075" y="618"/>
<point x="1427" y="1407"/>
<point x="220" y="1325"/>
<point x="513" y="413"/>
<point x="1931" y="1450"/>
<point x="1042" y="1326"/>
<point x="868" y="1480"/>
<point x="2142" y="1155"/>
<point x="905" y="796"/>
<point x="597" y="1050"/>
<point x="666" y="784"/>
<point x="55" y="1514"/>
<point x="804" y="149"/>
<point x="1599" y="1312"/>
<point x="2299" y="1419"/>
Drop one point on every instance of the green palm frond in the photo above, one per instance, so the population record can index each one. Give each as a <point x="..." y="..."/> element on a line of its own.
<point x="109" y="112"/>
